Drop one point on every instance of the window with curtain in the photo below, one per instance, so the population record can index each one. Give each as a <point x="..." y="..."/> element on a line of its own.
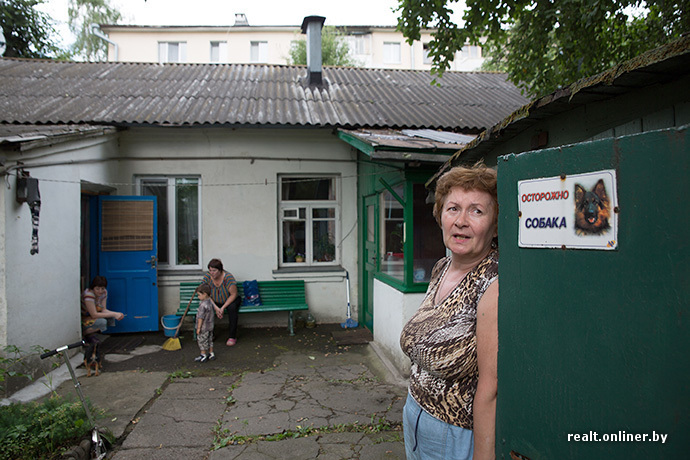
<point x="391" y="53"/>
<point x="178" y="218"/>
<point x="172" y="52"/>
<point x="426" y="58"/>
<point x="428" y="244"/>
<point x="392" y="232"/>
<point x="258" y="52"/>
<point x="219" y="52"/>
<point x="309" y="215"/>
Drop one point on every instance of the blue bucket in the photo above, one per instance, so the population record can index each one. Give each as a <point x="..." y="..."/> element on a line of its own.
<point x="170" y="324"/>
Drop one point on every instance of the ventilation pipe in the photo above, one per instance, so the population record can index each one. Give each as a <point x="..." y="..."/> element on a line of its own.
<point x="96" y="30"/>
<point x="312" y="26"/>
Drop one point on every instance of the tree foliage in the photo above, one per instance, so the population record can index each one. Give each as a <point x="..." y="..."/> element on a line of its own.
<point x="28" y="32"/>
<point x="83" y="13"/>
<point x="334" y="50"/>
<point x="546" y="44"/>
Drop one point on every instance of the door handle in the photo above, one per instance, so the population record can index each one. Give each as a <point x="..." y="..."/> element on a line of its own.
<point x="152" y="261"/>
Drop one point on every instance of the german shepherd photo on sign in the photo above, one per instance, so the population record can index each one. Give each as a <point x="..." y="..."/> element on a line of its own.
<point x="592" y="210"/>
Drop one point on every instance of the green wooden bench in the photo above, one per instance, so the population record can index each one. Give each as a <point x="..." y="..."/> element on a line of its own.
<point x="276" y="295"/>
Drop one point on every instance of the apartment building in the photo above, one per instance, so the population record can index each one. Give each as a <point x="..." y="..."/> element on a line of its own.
<point x="376" y="47"/>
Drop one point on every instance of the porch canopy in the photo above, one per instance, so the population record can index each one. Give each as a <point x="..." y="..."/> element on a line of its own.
<point x="412" y="145"/>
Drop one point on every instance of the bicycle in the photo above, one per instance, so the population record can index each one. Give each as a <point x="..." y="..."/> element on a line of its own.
<point x="98" y="442"/>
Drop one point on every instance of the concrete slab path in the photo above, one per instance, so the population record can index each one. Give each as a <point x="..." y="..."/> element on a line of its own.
<point x="271" y="396"/>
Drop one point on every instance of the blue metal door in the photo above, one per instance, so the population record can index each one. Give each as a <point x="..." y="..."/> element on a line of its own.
<point x="127" y="248"/>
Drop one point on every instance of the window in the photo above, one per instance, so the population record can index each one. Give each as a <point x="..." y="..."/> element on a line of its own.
<point x="410" y="241"/>
<point x="172" y="52"/>
<point x="309" y="216"/>
<point x="391" y="52"/>
<point x="359" y="43"/>
<point x="392" y="233"/>
<point x="427" y="246"/>
<point x="471" y="52"/>
<point x="178" y="218"/>
<point x="258" y="52"/>
<point x="426" y="58"/>
<point x="219" y="52"/>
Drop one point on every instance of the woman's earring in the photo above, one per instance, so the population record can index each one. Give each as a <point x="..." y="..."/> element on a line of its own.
<point x="494" y="243"/>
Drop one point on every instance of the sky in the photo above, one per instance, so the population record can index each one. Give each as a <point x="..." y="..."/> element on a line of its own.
<point x="259" y="12"/>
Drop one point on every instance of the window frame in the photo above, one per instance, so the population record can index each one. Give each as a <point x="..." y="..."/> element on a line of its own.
<point x="359" y="44"/>
<point x="170" y="179"/>
<point x="259" y="53"/>
<point x="394" y="195"/>
<point x="222" y="46"/>
<point x="407" y="283"/>
<point x="471" y="52"/>
<point x="426" y="59"/>
<point x="309" y="219"/>
<point x="164" y="52"/>
<point x="388" y="57"/>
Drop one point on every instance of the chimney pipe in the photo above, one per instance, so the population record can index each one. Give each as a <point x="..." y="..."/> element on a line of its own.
<point x="312" y="26"/>
<point x="241" y="19"/>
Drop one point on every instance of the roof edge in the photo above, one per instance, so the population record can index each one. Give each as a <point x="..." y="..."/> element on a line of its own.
<point x="676" y="48"/>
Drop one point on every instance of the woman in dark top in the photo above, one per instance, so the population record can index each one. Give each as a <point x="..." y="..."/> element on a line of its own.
<point x="224" y="295"/>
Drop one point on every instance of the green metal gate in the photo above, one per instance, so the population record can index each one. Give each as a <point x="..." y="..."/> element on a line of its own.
<point x="594" y="344"/>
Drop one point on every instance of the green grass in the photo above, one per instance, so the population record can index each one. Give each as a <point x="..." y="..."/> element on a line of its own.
<point x="180" y="374"/>
<point x="42" y="430"/>
<point x="223" y="438"/>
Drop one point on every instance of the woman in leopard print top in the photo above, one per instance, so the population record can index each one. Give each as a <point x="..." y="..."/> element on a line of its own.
<point x="452" y="340"/>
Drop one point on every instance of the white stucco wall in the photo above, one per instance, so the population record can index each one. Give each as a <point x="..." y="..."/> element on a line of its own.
<point x="39" y="302"/>
<point x="239" y="170"/>
<point x="392" y="309"/>
<point x="141" y="45"/>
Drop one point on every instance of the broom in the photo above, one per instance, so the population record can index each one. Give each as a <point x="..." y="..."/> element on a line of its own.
<point x="173" y="343"/>
<point x="349" y="322"/>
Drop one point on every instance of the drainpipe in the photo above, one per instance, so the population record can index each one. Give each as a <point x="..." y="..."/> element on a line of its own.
<point x="96" y="30"/>
<point x="312" y="26"/>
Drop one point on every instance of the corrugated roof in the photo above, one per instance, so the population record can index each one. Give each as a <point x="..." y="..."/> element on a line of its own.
<point x="663" y="64"/>
<point x="54" y="92"/>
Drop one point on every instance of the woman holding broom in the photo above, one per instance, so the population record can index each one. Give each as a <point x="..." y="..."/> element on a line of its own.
<point x="224" y="295"/>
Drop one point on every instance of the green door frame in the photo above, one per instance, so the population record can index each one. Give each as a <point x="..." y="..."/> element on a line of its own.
<point x="369" y="237"/>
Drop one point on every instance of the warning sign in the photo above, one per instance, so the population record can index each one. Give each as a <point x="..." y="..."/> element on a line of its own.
<point x="578" y="211"/>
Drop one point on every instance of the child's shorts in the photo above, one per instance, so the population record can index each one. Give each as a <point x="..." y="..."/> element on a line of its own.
<point x="205" y="340"/>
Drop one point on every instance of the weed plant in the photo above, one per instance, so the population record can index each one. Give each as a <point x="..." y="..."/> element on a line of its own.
<point x="12" y="364"/>
<point x="41" y="430"/>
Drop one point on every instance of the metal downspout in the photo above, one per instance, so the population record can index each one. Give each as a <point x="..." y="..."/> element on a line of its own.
<point x="96" y="30"/>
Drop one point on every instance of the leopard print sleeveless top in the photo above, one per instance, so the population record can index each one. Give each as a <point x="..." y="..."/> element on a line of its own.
<point x="441" y="341"/>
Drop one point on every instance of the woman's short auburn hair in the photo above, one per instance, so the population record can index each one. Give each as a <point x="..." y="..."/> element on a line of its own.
<point x="98" y="281"/>
<point x="215" y="263"/>
<point x="478" y="177"/>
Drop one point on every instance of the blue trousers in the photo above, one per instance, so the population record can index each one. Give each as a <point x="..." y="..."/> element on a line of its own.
<point x="427" y="437"/>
